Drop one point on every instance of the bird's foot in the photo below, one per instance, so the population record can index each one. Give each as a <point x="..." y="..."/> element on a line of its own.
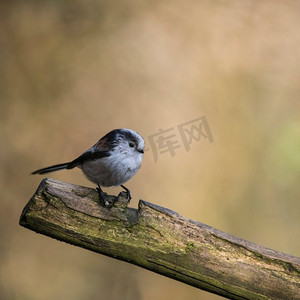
<point x="102" y="197"/>
<point x="127" y="191"/>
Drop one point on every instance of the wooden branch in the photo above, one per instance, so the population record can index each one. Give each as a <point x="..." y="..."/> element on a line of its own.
<point x="162" y="241"/>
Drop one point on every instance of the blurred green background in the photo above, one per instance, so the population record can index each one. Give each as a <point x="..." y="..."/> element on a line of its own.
<point x="73" y="70"/>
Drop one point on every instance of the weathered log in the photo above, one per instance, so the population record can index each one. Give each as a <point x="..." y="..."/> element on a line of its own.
<point x="162" y="241"/>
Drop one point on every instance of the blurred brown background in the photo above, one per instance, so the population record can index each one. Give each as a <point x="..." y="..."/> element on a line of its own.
<point x="73" y="70"/>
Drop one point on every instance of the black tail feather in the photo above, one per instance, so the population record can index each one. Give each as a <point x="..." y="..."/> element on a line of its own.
<point x="51" y="169"/>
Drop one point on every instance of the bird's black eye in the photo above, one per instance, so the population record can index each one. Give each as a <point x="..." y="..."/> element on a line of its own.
<point x="131" y="144"/>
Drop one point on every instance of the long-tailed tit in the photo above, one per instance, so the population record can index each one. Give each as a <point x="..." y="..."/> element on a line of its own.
<point x="112" y="161"/>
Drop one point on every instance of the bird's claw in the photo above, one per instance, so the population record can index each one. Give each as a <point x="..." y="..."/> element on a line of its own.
<point x="127" y="191"/>
<point x="102" y="197"/>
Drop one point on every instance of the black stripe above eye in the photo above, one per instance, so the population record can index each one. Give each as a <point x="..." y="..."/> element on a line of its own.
<point x="114" y="136"/>
<point x="129" y="136"/>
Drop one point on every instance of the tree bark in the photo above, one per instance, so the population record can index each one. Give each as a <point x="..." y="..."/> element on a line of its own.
<point x="162" y="241"/>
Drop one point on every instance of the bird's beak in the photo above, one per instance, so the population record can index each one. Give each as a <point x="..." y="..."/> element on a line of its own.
<point x="141" y="151"/>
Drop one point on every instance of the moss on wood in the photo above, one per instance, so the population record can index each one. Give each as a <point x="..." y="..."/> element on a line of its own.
<point x="162" y="241"/>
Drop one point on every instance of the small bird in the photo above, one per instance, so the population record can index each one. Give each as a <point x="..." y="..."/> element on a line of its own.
<point x="112" y="161"/>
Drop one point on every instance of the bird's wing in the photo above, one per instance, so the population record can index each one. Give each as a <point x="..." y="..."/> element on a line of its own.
<point x="87" y="156"/>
